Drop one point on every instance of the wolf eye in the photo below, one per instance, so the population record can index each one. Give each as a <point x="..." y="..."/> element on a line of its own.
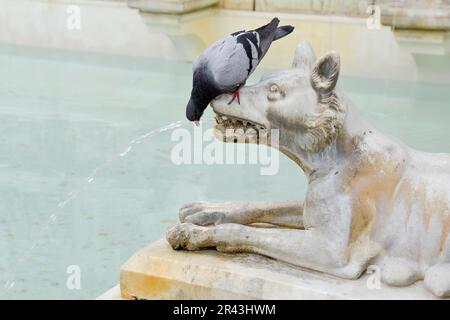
<point x="273" y="88"/>
<point x="275" y="93"/>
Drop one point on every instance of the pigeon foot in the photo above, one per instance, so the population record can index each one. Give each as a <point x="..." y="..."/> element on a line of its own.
<point x="236" y="94"/>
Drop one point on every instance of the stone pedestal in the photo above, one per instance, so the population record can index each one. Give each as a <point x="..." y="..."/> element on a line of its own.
<point x="170" y="6"/>
<point x="158" y="272"/>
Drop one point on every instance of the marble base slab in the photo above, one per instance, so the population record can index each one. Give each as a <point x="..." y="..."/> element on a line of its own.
<point x="111" y="294"/>
<point x="158" y="272"/>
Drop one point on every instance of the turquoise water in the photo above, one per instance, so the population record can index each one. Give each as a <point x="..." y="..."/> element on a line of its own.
<point x="73" y="193"/>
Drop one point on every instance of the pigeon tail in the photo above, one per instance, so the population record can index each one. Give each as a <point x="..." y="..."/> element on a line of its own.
<point x="266" y="35"/>
<point x="282" y="32"/>
<point x="269" y="29"/>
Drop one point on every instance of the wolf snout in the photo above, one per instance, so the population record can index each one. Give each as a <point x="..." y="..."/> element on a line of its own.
<point x="223" y="96"/>
<point x="221" y="101"/>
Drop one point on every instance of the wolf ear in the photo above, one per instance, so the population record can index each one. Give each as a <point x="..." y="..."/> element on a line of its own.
<point x="304" y="56"/>
<point x="325" y="73"/>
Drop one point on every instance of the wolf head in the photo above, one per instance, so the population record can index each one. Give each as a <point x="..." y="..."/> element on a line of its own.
<point x="301" y="103"/>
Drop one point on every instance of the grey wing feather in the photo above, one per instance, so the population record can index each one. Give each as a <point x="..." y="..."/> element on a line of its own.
<point x="228" y="63"/>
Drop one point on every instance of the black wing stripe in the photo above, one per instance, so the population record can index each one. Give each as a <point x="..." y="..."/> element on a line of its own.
<point x="244" y="39"/>
<point x="237" y="32"/>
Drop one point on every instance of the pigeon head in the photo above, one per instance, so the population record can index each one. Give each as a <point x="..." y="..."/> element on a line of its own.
<point x="202" y="93"/>
<point x="194" y="111"/>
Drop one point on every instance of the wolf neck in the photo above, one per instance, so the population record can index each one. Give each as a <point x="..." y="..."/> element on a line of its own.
<point x="315" y="163"/>
<point x="330" y="159"/>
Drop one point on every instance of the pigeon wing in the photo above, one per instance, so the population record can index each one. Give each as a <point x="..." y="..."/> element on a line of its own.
<point x="230" y="61"/>
<point x="241" y="52"/>
<point x="235" y="60"/>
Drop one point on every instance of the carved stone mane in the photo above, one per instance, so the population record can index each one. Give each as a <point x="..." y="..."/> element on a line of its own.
<point x="322" y="129"/>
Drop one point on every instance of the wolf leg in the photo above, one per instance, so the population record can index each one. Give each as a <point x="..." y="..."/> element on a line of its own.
<point x="283" y="213"/>
<point x="305" y="248"/>
<point x="437" y="280"/>
<point x="398" y="272"/>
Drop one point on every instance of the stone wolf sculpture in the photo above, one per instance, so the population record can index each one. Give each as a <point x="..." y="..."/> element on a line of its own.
<point x="371" y="200"/>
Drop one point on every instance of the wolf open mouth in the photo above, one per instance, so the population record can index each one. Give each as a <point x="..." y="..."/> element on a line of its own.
<point x="232" y="129"/>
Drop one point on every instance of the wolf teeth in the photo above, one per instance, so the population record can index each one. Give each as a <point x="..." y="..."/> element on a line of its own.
<point x="251" y="132"/>
<point x="239" y="128"/>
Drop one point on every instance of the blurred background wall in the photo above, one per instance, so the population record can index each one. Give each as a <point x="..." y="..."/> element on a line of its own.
<point x="401" y="39"/>
<point x="409" y="14"/>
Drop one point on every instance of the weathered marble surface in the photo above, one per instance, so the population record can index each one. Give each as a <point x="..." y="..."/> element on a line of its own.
<point x="158" y="272"/>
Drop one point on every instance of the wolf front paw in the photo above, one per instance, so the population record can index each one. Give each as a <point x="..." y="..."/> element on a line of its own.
<point x="188" y="236"/>
<point x="204" y="213"/>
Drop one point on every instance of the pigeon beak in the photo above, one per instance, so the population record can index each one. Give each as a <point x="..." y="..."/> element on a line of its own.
<point x="197" y="123"/>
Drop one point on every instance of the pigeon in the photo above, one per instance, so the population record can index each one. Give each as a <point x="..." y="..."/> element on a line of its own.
<point x="225" y="66"/>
